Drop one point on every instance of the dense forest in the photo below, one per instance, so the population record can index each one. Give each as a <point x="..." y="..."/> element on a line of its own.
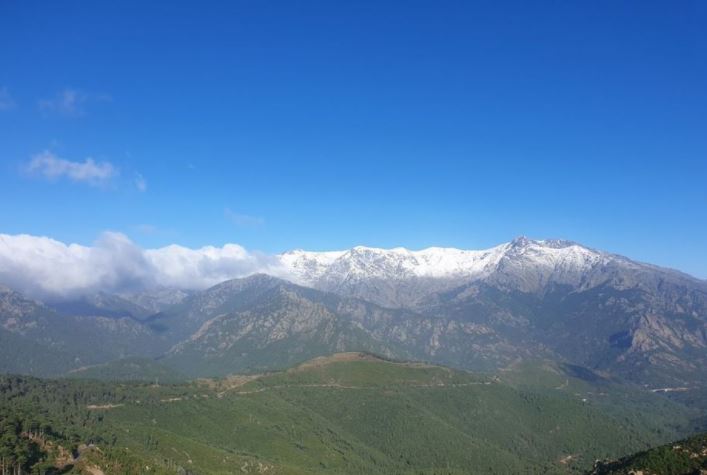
<point x="47" y="426"/>
<point x="350" y="413"/>
<point x="684" y="457"/>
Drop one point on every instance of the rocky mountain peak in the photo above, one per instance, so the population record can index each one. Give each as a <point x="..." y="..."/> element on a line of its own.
<point x="240" y="283"/>
<point x="355" y="271"/>
<point x="521" y="241"/>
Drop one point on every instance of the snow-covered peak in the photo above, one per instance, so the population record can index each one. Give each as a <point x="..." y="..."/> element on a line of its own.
<point x="361" y="262"/>
<point x="403" y="277"/>
<point x="553" y="251"/>
<point x="305" y="267"/>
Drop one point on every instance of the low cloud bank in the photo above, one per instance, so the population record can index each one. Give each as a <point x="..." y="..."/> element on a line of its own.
<point x="44" y="267"/>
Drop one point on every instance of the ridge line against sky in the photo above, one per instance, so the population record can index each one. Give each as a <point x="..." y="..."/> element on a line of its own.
<point x="324" y="126"/>
<point x="41" y="266"/>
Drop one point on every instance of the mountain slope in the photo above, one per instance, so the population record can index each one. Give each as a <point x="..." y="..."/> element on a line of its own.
<point x="101" y="304"/>
<point x="38" y="340"/>
<point x="594" y="308"/>
<point x="684" y="457"/>
<point x="478" y="310"/>
<point x="263" y="323"/>
<point x="157" y="300"/>
<point x="654" y="336"/>
<point x="402" y="278"/>
<point x="348" y="413"/>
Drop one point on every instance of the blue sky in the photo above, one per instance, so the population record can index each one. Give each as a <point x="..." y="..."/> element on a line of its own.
<point x="323" y="125"/>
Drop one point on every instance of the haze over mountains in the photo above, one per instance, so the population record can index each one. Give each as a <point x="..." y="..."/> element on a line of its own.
<point x="479" y="310"/>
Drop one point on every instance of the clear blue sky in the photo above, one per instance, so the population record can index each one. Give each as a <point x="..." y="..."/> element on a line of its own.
<point x="322" y="125"/>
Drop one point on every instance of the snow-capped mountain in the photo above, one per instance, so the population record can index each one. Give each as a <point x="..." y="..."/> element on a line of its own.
<point x="401" y="277"/>
<point x="471" y="309"/>
<point x="599" y="309"/>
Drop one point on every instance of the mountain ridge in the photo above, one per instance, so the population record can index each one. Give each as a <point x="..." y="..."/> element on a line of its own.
<point x="376" y="274"/>
<point x="522" y="299"/>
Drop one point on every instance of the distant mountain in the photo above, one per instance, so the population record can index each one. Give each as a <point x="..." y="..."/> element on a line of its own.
<point x="479" y="310"/>
<point x="597" y="309"/>
<point x="402" y="278"/>
<point x="19" y="313"/>
<point x="262" y="323"/>
<point x="157" y="300"/>
<point x="32" y="338"/>
<point x="36" y="339"/>
<point x="102" y="304"/>
<point x="138" y="305"/>
<point x="389" y="277"/>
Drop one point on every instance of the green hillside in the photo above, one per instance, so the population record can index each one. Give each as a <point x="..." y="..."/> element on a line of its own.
<point x="128" y="369"/>
<point x="349" y="413"/>
<point x="685" y="457"/>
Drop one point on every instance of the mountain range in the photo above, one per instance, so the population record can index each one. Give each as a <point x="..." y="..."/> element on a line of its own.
<point x="477" y="310"/>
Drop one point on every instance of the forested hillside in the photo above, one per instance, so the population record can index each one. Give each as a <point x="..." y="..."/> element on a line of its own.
<point x="350" y="413"/>
<point x="684" y="457"/>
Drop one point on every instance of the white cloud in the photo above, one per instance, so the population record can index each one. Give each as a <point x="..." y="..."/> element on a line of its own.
<point x="183" y="267"/>
<point x="89" y="171"/>
<point x="243" y="220"/>
<point x="70" y="102"/>
<point x="41" y="266"/>
<point x="140" y="183"/>
<point x="6" y="100"/>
